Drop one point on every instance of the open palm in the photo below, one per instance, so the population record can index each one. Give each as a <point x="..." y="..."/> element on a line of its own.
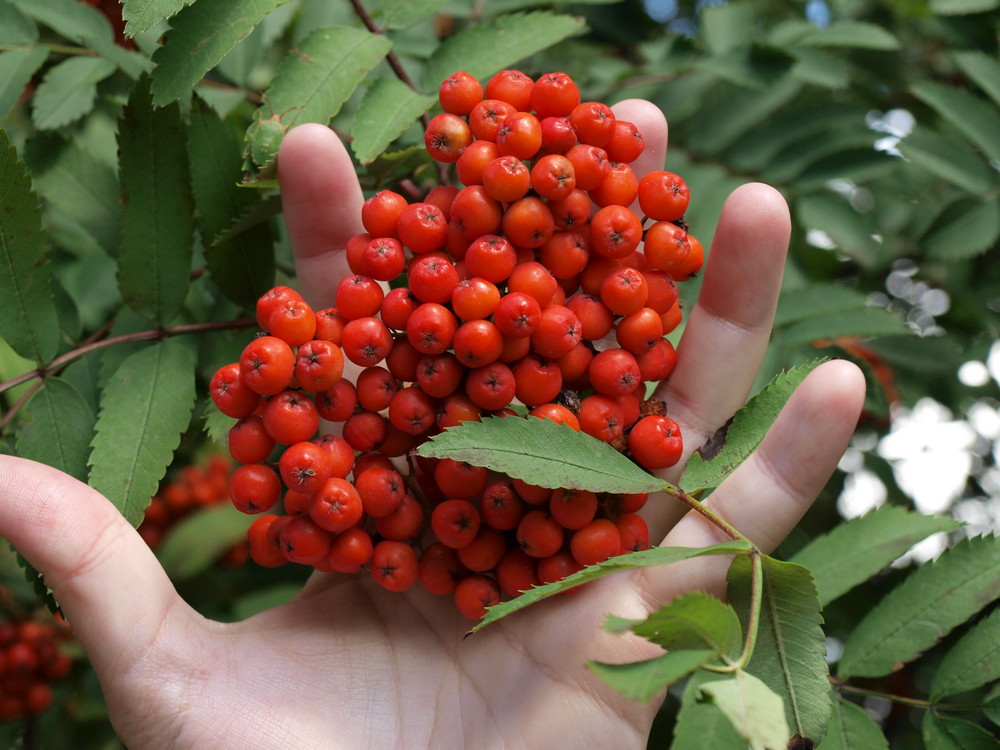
<point x="347" y="664"/>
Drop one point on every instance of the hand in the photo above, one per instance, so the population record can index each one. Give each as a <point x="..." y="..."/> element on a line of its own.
<point x="349" y="665"/>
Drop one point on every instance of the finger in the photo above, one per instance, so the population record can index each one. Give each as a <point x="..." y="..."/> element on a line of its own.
<point x="767" y="495"/>
<point x="322" y="200"/>
<point x="728" y="329"/>
<point x="112" y="589"/>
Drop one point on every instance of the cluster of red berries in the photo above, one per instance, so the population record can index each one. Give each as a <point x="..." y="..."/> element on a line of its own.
<point x="195" y="487"/>
<point x="526" y="286"/>
<point x="30" y="661"/>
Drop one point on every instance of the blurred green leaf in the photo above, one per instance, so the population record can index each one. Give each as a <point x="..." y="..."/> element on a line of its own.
<point x="57" y="428"/>
<point x="16" y="27"/>
<point x="28" y="314"/>
<point x="145" y="407"/>
<point x="969" y="229"/>
<point x="852" y="34"/>
<point x="963" y="7"/>
<point x="388" y="109"/>
<point x="154" y="264"/>
<point x="949" y="159"/>
<point x="142" y="15"/>
<point x="197" y="542"/>
<point x="845" y="226"/>
<point x="313" y="82"/>
<point x="852" y="728"/>
<point x="947" y="733"/>
<point x="643" y="680"/>
<point x="924" y="608"/>
<point x="870" y="321"/>
<point x="726" y="28"/>
<point x="68" y="90"/>
<point x="983" y="69"/>
<point x="972" y="662"/>
<point x="401" y="14"/>
<point x="855" y="550"/>
<point x="17" y="67"/>
<point x="493" y="45"/>
<point x="969" y="114"/>
<point x="200" y="35"/>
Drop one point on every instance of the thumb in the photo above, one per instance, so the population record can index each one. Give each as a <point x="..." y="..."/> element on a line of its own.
<point x="108" y="582"/>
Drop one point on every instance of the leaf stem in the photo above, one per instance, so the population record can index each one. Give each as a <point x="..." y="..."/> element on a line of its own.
<point x="904" y="701"/>
<point x="71" y="356"/>
<point x="756" y="603"/>
<point x="700" y="508"/>
<point x="62" y="49"/>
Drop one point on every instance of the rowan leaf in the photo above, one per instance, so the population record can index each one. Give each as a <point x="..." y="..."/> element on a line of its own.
<point x="154" y="263"/>
<point x="951" y="159"/>
<point x="17" y="67"/>
<point x="242" y="265"/>
<point x="854" y="551"/>
<point x="695" y="620"/>
<point x="142" y="15"/>
<point x="644" y="680"/>
<point x="852" y="728"/>
<point x="401" y="14"/>
<point x="56" y="427"/>
<point x="729" y="447"/>
<point x="541" y="452"/>
<point x="972" y="662"/>
<point x="972" y="228"/>
<point x="68" y="91"/>
<point x="200" y="35"/>
<point x="15" y="26"/>
<point x="852" y="34"/>
<point x="700" y="724"/>
<point x="947" y="733"/>
<point x="28" y="320"/>
<point x="969" y="114"/>
<point x="924" y="608"/>
<point x="790" y="653"/>
<point x="631" y="561"/>
<point x="145" y="408"/>
<point x="313" y="82"/>
<point x="387" y="110"/>
<point x="983" y="69"/>
<point x="962" y="7"/>
<point x="493" y="45"/>
<point x="196" y="542"/>
<point x="755" y="711"/>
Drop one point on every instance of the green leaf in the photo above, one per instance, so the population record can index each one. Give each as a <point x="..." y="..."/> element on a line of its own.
<point x="852" y="34"/>
<point x="816" y="301"/>
<point x="255" y="602"/>
<point x="154" y="263"/>
<point x="790" y="653"/>
<point x="753" y="708"/>
<point x="146" y="406"/>
<point x="16" y="27"/>
<point x="313" y="82"/>
<point x="86" y="26"/>
<point x="714" y="128"/>
<point x="969" y="114"/>
<point x="948" y="158"/>
<point x="200" y="539"/>
<point x="945" y="733"/>
<point x="486" y="48"/>
<point x="217" y="425"/>
<point x="846" y="227"/>
<point x="972" y="228"/>
<point x="644" y="680"/>
<point x="695" y="620"/>
<point x="727" y="28"/>
<point x="924" y="608"/>
<point x="982" y="69"/>
<point x="17" y="66"/>
<point x="820" y="68"/>
<point x="387" y="110"/>
<point x="78" y="186"/>
<point x="871" y="321"/>
<point x="962" y="7"/>
<point x="68" y="90"/>
<point x="854" y="551"/>
<point x="56" y="427"/>
<point x="542" y="452"/>
<point x="852" y="728"/>
<point x="972" y="662"/>
<point x="631" y="561"/>
<point x="729" y="447"/>
<point x="401" y="14"/>
<point x="199" y="36"/>
<point x="700" y="724"/>
<point x="28" y="313"/>
<point x="242" y="266"/>
<point x="142" y="15"/>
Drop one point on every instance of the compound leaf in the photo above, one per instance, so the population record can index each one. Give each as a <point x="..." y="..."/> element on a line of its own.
<point x="485" y="48"/>
<point x="695" y="620"/>
<point x="754" y="710"/>
<point x="200" y="35"/>
<point x="634" y="560"/>
<point x="970" y="663"/>
<point x="313" y="82"/>
<point x="790" y="654"/>
<point x="388" y="109"/>
<point x="852" y="728"/>
<point x="154" y="263"/>
<point x="146" y="406"/>
<point x="924" y="608"/>
<point x="541" y="452"/>
<point x="241" y="265"/>
<point x="854" y="551"/>
<point x="717" y="459"/>
<point x="28" y="320"/>
<point x="196" y="542"/>
<point x="56" y="428"/>
<point x="644" y="680"/>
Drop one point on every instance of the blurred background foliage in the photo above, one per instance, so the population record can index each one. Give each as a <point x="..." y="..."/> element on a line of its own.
<point x="879" y="120"/>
